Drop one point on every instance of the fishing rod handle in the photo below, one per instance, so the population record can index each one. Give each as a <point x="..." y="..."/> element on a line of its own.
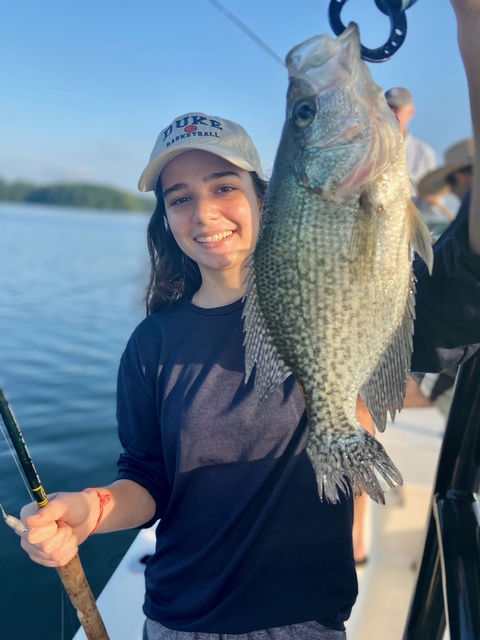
<point x="81" y="596"/>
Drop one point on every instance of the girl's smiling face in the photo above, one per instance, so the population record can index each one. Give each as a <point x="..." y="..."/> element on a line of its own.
<point x="213" y="211"/>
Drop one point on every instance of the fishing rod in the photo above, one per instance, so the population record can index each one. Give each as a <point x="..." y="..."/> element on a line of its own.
<point x="72" y="574"/>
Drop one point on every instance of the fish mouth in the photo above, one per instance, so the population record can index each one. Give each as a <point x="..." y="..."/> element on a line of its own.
<point x="316" y="51"/>
<point x="214" y="237"/>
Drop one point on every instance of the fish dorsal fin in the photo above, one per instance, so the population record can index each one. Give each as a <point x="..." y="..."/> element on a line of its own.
<point x="385" y="390"/>
<point x="259" y="349"/>
<point x="419" y="235"/>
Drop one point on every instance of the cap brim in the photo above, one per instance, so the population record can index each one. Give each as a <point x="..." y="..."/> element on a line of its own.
<point x="397" y="105"/>
<point x="148" y="179"/>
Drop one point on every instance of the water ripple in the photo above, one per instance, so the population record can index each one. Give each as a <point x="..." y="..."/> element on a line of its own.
<point x="71" y="289"/>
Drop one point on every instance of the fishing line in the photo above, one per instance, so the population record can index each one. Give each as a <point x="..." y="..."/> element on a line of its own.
<point x="248" y="31"/>
<point x="62" y="612"/>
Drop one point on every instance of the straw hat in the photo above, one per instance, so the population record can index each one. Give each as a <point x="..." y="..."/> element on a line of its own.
<point x="460" y="156"/>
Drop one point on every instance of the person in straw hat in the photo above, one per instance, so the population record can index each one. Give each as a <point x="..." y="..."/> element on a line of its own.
<point x="455" y="176"/>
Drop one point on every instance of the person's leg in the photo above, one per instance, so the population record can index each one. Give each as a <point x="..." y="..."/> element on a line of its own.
<point x="360" y="552"/>
<point x="304" y="631"/>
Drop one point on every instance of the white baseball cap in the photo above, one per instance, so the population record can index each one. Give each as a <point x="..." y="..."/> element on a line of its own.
<point x="208" y="133"/>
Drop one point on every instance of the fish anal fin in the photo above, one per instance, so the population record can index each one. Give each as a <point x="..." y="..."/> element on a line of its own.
<point x="385" y="390"/>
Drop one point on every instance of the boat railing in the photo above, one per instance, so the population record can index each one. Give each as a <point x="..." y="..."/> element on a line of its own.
<point x="448" y="584"/>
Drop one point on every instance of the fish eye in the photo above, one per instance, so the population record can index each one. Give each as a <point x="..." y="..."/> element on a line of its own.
<point x="303" y="113"/>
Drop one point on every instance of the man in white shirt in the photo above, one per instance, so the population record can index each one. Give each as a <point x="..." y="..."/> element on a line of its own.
<point x="421" y="158"/>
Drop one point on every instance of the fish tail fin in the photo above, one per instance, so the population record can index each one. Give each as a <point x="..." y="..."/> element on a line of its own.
<point x="420" y="238"/>
<point x="349" y="464"/>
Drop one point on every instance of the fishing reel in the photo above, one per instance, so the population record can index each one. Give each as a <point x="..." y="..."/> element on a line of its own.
<point x="394" y="9"/>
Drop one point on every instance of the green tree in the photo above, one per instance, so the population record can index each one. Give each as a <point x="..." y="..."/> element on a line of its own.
<point x="88" y="196"/>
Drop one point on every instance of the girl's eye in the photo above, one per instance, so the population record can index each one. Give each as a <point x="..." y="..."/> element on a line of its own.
<point x="178" y="201"/>
<point x="226" y="189"/>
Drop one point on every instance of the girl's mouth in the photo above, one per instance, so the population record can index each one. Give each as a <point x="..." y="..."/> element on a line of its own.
<point x="213" y="238"/>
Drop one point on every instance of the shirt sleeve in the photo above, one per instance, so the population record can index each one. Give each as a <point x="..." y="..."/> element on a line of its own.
<point x="142" y="459"/>
<point x="447" y="325"/>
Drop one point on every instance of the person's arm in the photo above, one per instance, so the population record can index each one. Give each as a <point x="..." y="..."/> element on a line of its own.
<point x="56" y="531"/>
<point x="468" y="24"/>
<point x="138" y="496"/>
<point x="447" y="303"/>
<point x="447" y="324"/>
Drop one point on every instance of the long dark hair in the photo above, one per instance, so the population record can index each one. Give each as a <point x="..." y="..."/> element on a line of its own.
<point x="172" y="273"/>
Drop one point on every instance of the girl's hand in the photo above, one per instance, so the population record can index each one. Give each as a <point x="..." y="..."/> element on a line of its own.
<point x="56" y="530"/>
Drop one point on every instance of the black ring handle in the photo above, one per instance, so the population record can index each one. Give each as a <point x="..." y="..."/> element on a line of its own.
<point x="397" y="5"/>
<point x="398" y="27"/>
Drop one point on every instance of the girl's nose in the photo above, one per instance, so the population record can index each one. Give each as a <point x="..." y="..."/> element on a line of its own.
<point x="205" y="210"/>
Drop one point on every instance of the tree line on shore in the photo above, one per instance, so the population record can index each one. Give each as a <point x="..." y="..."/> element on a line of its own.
<point x="74" y="195"/>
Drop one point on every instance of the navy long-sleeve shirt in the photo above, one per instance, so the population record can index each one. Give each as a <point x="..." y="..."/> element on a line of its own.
<point x="244" y="541"/>
<point x="447" y="308"/>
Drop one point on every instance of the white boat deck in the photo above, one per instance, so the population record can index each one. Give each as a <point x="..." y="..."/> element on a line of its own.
<point x="120" y="603"/>
<point x="396" y="532"/>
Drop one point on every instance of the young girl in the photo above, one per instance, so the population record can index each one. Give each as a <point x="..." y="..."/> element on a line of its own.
<point x="244" y="542"/>
<point x="245" y="547"/>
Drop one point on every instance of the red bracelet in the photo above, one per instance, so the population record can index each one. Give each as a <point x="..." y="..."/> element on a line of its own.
<point x="104" y="499"/>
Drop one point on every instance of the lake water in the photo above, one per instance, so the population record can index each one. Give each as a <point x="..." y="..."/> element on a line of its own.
<point x="71" y="291"/>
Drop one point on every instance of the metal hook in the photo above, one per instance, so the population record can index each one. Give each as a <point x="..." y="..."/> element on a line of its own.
<point x="394" y="9"/>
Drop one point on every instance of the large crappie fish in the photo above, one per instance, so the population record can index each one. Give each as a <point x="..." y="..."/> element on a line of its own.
<point x="330" y="293"/>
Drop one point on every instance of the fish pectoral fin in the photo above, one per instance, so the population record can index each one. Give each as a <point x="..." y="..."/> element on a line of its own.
<point x="385" y="390"/>
<point x="259" y="349"/>
<point x="363" y="241"/>
<point x="419" y="235"/>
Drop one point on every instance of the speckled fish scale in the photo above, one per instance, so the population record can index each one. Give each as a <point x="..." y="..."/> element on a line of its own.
<point x="330" y="292"/>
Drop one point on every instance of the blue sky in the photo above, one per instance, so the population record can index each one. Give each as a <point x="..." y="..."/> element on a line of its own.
<point x="86" y="87"/>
